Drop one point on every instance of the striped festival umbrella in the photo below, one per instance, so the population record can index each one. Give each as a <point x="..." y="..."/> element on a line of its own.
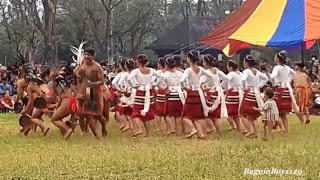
<point x="268" y="23"/>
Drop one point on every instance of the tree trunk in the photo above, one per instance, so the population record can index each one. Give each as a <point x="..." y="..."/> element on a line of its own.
<point x="199" y="8"/>
<point x="50" y="51"/>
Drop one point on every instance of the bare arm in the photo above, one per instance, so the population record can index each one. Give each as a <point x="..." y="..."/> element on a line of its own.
<point x="19" y="91"/>
<point x="30" y="100"/>
<point x="6" y="105"/>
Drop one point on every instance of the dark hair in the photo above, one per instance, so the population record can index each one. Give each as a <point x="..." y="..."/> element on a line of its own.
<point x="193" y="56"/>
<point x="282" y="56"/>
<point x="170" y="62"/>
<point x="250" y="61"/>
<point x="177" y="60"/>
<point x="142" y="59"/>
<point x="209" y="59"/>
<point x="232" y="64"/>
<point x="122" y="62"/>
<point x="45" y="73"/>
<point x="90" y="51"/>
<point x="161" y="61"/>
<point x="269" y="92"/>
<point x="130" y="64"/>
<point x="262" y="68"/>
<point x="300" y="65"/>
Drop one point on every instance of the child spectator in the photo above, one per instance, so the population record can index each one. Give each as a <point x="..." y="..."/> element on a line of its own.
<point x="6" y="103"/>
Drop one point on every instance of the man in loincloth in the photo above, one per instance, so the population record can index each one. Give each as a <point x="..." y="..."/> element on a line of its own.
<point x="302" y="90"/>
<point x="91" y="91"/>
<point x="22" y="85"/>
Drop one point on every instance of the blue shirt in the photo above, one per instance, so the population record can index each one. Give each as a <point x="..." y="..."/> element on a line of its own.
<point x="4" y="88"/>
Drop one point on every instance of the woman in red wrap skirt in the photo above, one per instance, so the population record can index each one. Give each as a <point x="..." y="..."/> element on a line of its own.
<point x="195" y="109"/>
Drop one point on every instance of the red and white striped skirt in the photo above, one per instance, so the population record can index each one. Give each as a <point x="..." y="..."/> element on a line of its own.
<point x="126" y="110"/>
<point x="283" y="100"/>
<point x="139" y="102"/>
<point x="248" y="102"/>
<point x="193" y="107"/>
<point x="211" y="98"/>
<point x="174" y="105"/>
<point x="232" y="101"/>
<point x="117" y="107"/>
<point x="161" y="97"/>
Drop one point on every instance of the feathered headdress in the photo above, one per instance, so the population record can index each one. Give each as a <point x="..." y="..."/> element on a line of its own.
<point x="78" y="52"/>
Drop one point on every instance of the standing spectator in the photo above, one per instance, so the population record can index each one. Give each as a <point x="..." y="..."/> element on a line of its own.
<point x="6" y="103"/>
<point x="263" y="64"/>
<point x="4" y="86"/>
<point x="314" y="74"/>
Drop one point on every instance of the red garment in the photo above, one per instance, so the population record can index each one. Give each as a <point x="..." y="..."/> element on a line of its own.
<point x="283" y="100"/>
<point x="161" y="102"/>
<point x="174" y="108"/>
<point x="232" y="101"/>
<point x="139" y="105"/>
<point x="211" y="98"/>
<point x="7" y="100"/>
<point x="193" y="107"/>
<point x="249" y="101"/>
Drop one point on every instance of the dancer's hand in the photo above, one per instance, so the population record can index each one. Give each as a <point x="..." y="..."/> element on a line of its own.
<point x="246" y="90"/>
<point x="256" y="109"/>
<point x="23" y="112"/>
<point x="80" y="96"/>
<point x="90" y="84"/>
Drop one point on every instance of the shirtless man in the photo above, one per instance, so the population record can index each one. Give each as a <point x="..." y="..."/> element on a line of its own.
<point x="36" y="88"/>
<point x="302" y="90"/>
<point x="66" y="104"/>
<point x="91" y="97"/>
<point x="22" y="84"/>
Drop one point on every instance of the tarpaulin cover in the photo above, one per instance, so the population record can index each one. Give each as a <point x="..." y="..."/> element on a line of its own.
<point x="269" y="23"/>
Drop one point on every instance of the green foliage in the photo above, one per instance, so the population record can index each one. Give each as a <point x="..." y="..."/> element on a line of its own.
<point x="119" y="156"/>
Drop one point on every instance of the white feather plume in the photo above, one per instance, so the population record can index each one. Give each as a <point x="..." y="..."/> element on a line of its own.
<point x="78" y="52"/>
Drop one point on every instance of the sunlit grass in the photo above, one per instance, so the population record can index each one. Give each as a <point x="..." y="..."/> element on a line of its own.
<point x="121" y="157"/>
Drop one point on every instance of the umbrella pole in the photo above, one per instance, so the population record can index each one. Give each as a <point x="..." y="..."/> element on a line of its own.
<point x="302" y="52"/>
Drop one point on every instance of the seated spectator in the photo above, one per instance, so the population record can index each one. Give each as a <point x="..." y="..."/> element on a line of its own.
<point x="4" y="86"/>
<point x="6" y="103"/>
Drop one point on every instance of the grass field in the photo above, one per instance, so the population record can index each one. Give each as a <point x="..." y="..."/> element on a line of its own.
<point x="121" y="157"/>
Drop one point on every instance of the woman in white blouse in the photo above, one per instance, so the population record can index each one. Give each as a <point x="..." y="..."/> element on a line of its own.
<point x="195" y="109"/>
<point x="175" y="97"/>
<point x="234" y="94"/>
<point x="215" y="95"/>
<point x="281" y="77"/>
<point x="144" y="107"/>
<point x="253" y="80"/>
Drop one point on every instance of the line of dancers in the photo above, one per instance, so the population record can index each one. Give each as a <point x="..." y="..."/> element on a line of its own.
<point x="192" y="101"/>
